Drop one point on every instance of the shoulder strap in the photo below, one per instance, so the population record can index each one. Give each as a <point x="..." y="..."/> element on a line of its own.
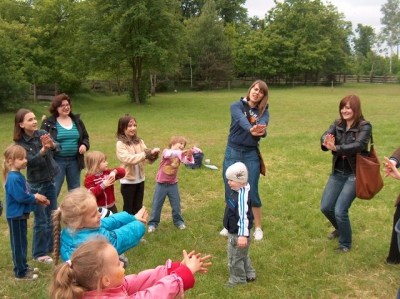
<point x="247" y="110"/>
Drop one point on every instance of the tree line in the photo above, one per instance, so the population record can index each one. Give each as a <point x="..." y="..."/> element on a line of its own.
<point x="203" y="42"/>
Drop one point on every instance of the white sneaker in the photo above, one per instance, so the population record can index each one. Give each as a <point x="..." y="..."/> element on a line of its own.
<point x="182" y="226"/>
<point x="224" y="232"/>
<point x="151" y="229"/>
<point x="258" y="234"/>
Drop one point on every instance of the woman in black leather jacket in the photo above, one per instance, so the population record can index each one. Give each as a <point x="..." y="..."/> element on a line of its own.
<point x="345" y="137"/>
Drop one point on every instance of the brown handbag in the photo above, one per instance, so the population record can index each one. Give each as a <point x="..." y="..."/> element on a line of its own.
<point x="368" y="174"/>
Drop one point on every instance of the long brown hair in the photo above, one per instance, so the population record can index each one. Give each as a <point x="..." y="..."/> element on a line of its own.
<point x="262" y="105"/>
<point x="19" y="118"/>
<point x="355" y="105"/>
<point x="123" y="123"/>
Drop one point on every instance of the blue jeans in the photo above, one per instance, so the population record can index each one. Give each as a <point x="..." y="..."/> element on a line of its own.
<point x="160" y="193"/>
<point x="339" y="194"/>
<point x="252" y="161"/>
<point x="69" y="168"/>
<point x="19" y="245"/>
<point x="42" y="226"/>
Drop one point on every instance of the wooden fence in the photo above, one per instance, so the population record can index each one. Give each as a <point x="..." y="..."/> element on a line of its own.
<point x="43" y="92"/>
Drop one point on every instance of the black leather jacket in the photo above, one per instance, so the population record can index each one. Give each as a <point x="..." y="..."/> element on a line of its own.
<point x="49" y="125"/>
<point x="349" y="143"/>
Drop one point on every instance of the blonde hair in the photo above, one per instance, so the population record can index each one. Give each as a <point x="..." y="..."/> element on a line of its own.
<point x="93" y="160"/>
<point x="70" y="214"/>
<point x="177" y="139"/>
<point x="82" y="273"/>
<point x="12" y="152"/>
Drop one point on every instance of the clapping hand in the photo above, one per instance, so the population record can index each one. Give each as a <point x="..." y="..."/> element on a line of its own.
<point x="142" y="215"/>
<point x="195" y="262"/>
<point x="390" y="169"/>
<point x="329" y="142"/>
<point x="41" y="200"/>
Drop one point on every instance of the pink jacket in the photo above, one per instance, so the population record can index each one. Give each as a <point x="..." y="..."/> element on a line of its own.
<point x="169" y="165"/>
<point x="163" y="282"/>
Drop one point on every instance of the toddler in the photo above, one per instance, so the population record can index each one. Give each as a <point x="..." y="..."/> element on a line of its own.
<point x="167" y="182"/>
<point x="238" y="220"/>
<point x="19" y="204"/>
<point x="82" y="220"/>
<point x="95" y="272"/>
<point x="100" y="180"/>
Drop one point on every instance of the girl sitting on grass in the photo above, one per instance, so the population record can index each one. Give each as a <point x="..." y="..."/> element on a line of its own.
<point x="95" y="271"/>
<point x="82" y="220"/>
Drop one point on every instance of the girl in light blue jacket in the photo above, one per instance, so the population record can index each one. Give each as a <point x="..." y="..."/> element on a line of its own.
<point x="81" y="219"/>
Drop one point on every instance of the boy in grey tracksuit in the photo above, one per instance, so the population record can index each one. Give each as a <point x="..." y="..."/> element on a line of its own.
<point x="238" y="220"/>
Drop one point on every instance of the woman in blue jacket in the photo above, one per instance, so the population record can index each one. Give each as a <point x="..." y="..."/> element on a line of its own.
<point x="249" y="120"/>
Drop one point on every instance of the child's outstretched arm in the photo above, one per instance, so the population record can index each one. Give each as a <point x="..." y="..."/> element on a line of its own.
<point x="195" y="262"/>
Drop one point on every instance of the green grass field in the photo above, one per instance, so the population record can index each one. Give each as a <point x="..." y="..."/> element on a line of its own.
<point x="295" y="260"/>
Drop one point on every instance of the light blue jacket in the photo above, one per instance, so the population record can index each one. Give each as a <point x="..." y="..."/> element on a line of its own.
<point x="121" y="229"/>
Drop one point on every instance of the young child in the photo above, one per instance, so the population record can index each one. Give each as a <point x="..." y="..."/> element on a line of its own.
<point x="167" y="182"/>
<point x="238" y="220"/>
<point x="19" y="204"/>
<point x="100" y="180"/>
<point x="82" y="220"/>
<point x="94" y="271"/>
<point x="132" y="153"/>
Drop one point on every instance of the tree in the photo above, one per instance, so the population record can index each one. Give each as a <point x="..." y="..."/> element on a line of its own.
<point x="209" y="52"/>
<point x="308" y="38"/>
<point x="365" y="41"/>
<point x="391" y="25"/>
<point x="144" y="33"/>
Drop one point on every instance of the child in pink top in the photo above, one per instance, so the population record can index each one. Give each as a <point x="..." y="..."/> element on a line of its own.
<point x="167" y="182"/>
<point x="100" y="180"/>
<point x="94" y="271"/>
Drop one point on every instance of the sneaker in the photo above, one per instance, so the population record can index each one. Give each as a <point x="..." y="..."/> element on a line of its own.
<point x="250" y="279"/>
<point x="32" y="270"/>
<point x="390" y="262"/>
<point x="182" y="226"/>
<point x="258" y="234"/>
<point x="44" y="259"/>
<point x="224" y="232"/>
<point x="333" y="235"/>
<point x="151" y="229"/>
<point x="143" y="240"/>
<point x="343" y="249"/>
<point x="230" y="284"/>
<point x="27" y="277"/>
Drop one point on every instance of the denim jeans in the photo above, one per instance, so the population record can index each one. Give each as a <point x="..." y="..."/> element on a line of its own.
<point x="69" y="169"/>
<point x="339" y="194"/>
<point x="252" y="161"/>
<point x="239" y="262"/>
<point x="19" y="245"/>
<point x="160" y="193"/>
<point x="42" y="226"/>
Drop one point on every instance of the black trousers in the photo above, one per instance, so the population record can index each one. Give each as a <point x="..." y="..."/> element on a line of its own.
<point x="133" y="197"/>
<point x="394" y="253"/>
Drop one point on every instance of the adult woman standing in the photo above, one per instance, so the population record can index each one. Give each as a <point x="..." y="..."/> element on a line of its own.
<point x="249" y="120"/>
<point x="132" y="153"/>
<point x="346" y="137"/>
<point x="41" y="170"/>
<point x="68" y="130"/>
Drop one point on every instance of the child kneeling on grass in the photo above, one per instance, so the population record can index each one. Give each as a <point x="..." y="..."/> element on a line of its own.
<point x="167" y="182"/>
<point x="82" y="221"/>
<point x="95" y="271"/>
<point x="238" y="220"/>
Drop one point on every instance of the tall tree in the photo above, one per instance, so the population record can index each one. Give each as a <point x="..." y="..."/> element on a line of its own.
<point x="209" y="51"/>
<point x="145" y="33"/>
<point x="391" y="25"/>
<point x="363" y="44"/>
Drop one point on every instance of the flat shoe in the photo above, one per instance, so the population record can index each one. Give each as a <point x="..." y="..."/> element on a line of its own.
<point x="44" y="259"/>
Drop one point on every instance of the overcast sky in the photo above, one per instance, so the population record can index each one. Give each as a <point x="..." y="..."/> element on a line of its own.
<point x="366" y="12"/>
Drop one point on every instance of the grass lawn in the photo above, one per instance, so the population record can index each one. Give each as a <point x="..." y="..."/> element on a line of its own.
<point x="295" y="260"/>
